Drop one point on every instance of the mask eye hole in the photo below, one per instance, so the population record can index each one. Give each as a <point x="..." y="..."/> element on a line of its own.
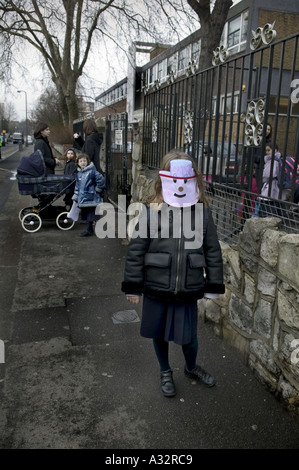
<point x="185" y="181"/>
<point x="174" y="180"/>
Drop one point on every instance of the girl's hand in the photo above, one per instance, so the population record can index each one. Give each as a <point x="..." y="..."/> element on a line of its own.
<point x="134" y="299"/>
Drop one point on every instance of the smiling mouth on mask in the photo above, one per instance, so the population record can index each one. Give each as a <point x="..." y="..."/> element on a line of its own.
<point x="179" y="195"/>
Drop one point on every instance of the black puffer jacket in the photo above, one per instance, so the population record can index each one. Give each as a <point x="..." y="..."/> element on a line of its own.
<point x="91" y="146"/>
<point x="166" y="268"/>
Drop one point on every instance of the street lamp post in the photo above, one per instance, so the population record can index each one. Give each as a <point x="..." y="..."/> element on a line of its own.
<point x="26" y="127"/>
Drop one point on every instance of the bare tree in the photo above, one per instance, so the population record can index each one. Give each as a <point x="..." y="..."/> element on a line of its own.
<point x="47" y="108"/>
<point x="212" y="16"/>
<point x="62" y="33"/>
<point x="9" y="112"/>
<point x="8" y="116"/>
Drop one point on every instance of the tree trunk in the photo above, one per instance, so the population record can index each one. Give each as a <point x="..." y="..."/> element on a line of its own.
<point x="212" y="24"/>
<point x="66" y="89"/>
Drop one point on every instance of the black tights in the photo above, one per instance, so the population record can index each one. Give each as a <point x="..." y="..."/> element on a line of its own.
<point x="189" y="351"/>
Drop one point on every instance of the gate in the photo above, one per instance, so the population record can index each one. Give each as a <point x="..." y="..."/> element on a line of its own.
<point x="219" y="116"/>
<point x="119" y="142"/>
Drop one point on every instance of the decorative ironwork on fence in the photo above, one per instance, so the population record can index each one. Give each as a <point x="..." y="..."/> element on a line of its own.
<point x="219" y="116"/>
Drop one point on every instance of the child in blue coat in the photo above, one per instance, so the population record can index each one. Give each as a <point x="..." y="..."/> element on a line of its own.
<point x="89" y="190"/>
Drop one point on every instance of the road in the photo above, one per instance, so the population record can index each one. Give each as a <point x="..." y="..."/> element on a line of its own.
<point x="8" y="164"/>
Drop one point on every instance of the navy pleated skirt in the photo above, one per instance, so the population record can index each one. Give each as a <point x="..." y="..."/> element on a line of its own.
<point x="173" y="322"/>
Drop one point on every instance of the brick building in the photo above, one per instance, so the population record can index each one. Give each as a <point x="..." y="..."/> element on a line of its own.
<point x="167" y="62"/>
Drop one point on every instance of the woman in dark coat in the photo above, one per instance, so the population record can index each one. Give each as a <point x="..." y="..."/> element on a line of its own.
<point x="41" y="134"/>
<point x="92" y="145"/>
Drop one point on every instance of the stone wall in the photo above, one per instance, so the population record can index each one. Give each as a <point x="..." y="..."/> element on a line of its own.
<point x="259" y="313"/>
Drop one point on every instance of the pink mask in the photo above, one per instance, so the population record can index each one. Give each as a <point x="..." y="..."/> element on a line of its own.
<point x="179" y="185"/>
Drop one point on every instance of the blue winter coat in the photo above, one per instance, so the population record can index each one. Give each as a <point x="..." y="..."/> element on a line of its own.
<point x="89" y="188"/>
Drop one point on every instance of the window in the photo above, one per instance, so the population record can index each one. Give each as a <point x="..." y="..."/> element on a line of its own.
<point x="171" y="64"/>
<point x="213" y="106"/>
<point x="235" y="33"/>
<point x="283" y="106"/>
<point x="183" y="59"/>
<point x="152" y="74"/>
<point x="195" y="51"/>
<point x="295" y="109"/>
<point x="229" y="107"/>
<point x="144" y="79"/>
<point x="161" y="69"/>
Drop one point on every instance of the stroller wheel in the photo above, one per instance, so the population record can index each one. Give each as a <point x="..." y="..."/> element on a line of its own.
<point x="31" y="222"/>
<point x="63" y="222"/>
<point x="24" y="211"/>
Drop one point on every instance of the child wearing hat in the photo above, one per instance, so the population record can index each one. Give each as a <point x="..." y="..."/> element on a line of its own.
<point x="170" y="269"/>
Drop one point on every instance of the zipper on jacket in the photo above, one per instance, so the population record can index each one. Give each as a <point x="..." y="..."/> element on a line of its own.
<point x="179" y="254"/>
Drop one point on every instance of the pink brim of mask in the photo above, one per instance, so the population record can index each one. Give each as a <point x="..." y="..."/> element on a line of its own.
<point x="179" y="191"/>
<point x="168" y="175"/>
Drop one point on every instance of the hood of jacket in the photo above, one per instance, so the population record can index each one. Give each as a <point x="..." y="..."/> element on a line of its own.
<point x="87" y="168"/>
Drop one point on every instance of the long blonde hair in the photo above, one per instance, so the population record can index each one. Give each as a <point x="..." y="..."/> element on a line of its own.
<point x="157" y="197"/>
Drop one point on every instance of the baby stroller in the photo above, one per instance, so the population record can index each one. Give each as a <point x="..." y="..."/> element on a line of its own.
<point x="33" y="180"/>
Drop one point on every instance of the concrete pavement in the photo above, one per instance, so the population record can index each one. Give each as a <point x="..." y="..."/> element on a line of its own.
<point x="8" y="150"/>
<point x="77" y="374"/>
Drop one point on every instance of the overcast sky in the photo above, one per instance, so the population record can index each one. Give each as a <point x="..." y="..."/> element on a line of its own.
<point x="102" y="77"/>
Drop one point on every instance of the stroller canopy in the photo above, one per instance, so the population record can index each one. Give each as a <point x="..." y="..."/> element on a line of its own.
<point x="33" y="165"/>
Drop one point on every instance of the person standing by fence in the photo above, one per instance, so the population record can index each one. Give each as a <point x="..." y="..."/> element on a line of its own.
<point x="92" y="145"/>
<point x="269" y="206"/>
<point x="170" y="276"/>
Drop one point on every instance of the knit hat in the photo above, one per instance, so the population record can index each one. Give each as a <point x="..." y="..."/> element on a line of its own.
<point x="40" y="126"/>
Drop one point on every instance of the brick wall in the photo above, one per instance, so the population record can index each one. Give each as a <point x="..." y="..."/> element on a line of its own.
<point x="118" y="107"/>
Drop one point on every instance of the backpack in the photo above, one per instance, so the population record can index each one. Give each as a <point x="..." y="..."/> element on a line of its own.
<point x="289" y="173"/>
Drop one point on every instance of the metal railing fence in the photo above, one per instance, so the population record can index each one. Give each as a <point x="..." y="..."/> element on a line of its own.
<point x="219" y="116"/>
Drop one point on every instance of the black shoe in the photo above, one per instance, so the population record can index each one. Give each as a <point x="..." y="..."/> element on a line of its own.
<point x="86" y="234"/>
<point x="201" y="375"/>
<point x="167" y="384"/>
